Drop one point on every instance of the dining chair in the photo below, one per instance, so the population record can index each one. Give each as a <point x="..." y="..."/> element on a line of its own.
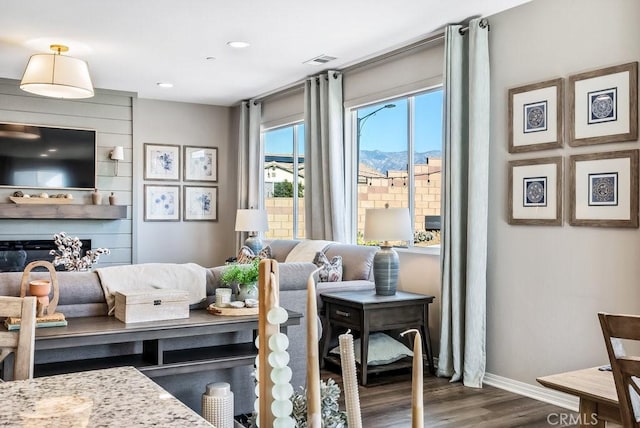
<point x="19" y="342"/>
<point x="625" y="368"/>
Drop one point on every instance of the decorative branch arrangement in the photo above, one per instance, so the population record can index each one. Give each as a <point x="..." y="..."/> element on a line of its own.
<point x="69" y="253"/>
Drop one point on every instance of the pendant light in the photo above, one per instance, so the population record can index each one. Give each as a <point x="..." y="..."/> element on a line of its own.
<point x="57" y="76"/>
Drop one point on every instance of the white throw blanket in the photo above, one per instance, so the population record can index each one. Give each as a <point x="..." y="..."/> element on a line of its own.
<point x="189" y="277"/>
<point x="306" y="251"/>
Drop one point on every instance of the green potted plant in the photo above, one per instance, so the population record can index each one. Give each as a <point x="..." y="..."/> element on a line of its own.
<point x="245" y="277"/>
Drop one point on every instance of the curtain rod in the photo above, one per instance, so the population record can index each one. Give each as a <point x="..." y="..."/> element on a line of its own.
<point x="434" y="38"/>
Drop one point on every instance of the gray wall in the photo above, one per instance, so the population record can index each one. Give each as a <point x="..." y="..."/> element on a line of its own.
<point x="204" y="242"/>
<point x="546" y="284"/>
<point x="109" y="113"/>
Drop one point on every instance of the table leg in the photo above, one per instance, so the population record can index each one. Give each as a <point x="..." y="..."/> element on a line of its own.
<point x="426" y="340"/>
<point x="326" y="339"/>
<point x="588" y="413"/>
<point x="364" y="349"/>
<point x="153" y="351"/>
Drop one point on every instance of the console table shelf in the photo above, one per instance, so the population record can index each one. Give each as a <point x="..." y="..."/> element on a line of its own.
<point x="63" y="212"/>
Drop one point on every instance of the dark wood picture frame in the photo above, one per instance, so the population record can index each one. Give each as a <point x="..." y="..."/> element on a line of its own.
<point x="630" y="194"/>
<point x="537" y="217"/>
<point x="628" y="110"/>
<point x="516" y="109"/>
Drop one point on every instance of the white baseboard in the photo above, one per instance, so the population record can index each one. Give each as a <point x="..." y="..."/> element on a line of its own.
<point x="539" y="393"/>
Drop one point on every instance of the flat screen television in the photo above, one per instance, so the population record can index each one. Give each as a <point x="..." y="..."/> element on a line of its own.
<point x="45" y="157"/>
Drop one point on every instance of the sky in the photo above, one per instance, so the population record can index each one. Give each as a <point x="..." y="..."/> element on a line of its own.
<point x="386" y="130"/>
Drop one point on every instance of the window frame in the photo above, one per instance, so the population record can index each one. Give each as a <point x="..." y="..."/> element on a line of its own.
<point x="296" y="126"/>
<point x="352" y="114"/>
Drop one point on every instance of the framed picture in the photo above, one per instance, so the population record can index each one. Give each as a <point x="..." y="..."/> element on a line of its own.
<point x="161" y="162"/>
<point x="603" y="105"/>
<point x="200" y="203"/>
<point x="200" y="163"/>
<point x="535" y="116"/>
<point x="604" y="189"/>
<point x="535" y="191"/>
<point x="161" y="203"/>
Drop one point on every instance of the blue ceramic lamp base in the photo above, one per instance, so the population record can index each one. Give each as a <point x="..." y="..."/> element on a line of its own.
<point x="255" y="243"/>
<point x="385" y="270"/>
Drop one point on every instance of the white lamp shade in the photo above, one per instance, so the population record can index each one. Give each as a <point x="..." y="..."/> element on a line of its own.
<point x="117" y="153"/>
<point x="387" y="224"/>
<point x="250" y="220"/>
<point x="57" y="76"/>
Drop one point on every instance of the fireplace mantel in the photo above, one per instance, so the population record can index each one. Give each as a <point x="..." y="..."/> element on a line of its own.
<point x="63" y="212"/>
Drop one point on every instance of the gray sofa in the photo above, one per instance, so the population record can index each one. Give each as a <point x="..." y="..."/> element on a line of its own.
<point x="81" y="295"/>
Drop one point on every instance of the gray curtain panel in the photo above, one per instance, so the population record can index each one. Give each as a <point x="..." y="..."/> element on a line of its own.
<point x="249" y="155"/>
<point x="324" y="201"/>
<point x="465" y="204"/>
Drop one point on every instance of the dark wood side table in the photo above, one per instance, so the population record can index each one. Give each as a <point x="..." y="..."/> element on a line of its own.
<point x="366" y="312"/>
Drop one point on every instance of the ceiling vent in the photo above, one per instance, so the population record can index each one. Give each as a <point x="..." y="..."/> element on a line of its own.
<point x="319" y="60"/>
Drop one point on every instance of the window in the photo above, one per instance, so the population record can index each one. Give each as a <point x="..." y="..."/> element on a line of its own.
<point x="284" y="181"/>
<point x="399" y="147"/>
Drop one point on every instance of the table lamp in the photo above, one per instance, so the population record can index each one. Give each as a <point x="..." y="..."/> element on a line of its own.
<point x="252" y="221"/>
<point x="387" y="224"/>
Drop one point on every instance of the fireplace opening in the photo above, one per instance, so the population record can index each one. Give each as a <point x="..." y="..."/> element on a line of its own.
<point x="15" y="255"/>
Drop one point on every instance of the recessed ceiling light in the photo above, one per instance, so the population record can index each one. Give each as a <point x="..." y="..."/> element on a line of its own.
<point x="43" y="155"/>
<point x="238" y="45"/>
<point x="52" y="150"/>
<point x="165" y="84"/>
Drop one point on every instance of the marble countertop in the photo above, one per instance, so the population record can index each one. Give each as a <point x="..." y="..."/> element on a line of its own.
<point x="117" y="397"/>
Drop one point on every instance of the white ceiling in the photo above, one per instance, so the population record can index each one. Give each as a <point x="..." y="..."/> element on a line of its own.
<point x="131" y="45"/>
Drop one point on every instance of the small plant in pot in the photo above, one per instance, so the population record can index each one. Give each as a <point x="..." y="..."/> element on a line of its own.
<point x="244" y="277"/>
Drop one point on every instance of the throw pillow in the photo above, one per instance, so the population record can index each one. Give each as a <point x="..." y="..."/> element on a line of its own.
<point x="382" y="350"/>
<point x="331" y="270"/>
<point x="246" y="255"/>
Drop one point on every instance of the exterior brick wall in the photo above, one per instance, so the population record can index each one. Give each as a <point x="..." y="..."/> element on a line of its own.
<point x="377" y="192"/>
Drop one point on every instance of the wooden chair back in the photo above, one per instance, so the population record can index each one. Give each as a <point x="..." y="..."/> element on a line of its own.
<point x="19" y="342"/>
<point x="625" y="368"/>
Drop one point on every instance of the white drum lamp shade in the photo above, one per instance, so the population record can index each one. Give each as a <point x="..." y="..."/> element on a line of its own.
<point x="387" y="224"/>
<point x="252" y="221"/>
<point x="57" y="76"/>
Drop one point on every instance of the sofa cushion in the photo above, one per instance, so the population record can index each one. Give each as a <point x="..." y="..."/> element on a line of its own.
<point x="357" y="260"/>
<point x="75" y="287"/>
<point x="330" y="270"/>
<point x="280" y="248"/>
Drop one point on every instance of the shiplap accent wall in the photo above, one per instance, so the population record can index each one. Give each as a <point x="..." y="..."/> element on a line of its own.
<point x="110" y="114"/>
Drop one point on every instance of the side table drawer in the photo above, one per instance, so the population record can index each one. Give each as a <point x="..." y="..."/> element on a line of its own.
<point x="390" y="318"/>
<point x="344" y="315"/>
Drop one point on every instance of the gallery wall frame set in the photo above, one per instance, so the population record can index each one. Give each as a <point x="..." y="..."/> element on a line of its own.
<point x="535" y="191"/>
<point x="603" y="189"/>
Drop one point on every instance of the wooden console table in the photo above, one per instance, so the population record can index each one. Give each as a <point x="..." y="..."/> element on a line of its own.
<point x="154" y="360"/>
<point x="367" y="312"/>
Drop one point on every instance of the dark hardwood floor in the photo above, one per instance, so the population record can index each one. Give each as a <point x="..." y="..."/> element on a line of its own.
<point x="386" y="403"/>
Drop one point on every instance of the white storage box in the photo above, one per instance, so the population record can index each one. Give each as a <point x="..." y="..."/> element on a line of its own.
<point x="151" y="305"/>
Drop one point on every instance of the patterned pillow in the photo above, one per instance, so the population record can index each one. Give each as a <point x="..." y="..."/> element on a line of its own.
<point x="246" y="255"/>
<point x="331" y="270"/>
